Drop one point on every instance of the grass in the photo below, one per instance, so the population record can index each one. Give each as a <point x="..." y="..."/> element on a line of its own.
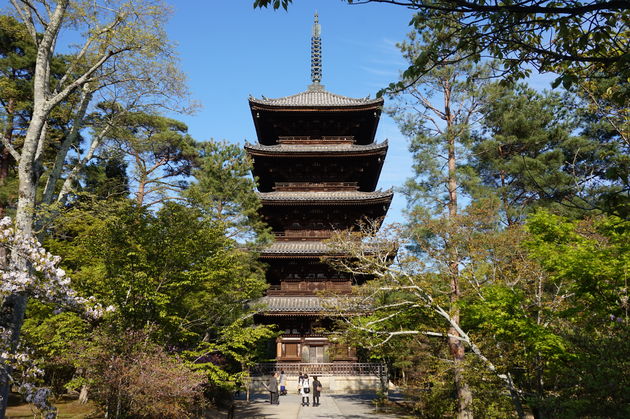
<point x="66" y="409"/>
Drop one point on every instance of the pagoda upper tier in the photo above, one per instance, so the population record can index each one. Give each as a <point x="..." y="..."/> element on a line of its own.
<point x="293" y="166"/>
<point x="316" y="114"/>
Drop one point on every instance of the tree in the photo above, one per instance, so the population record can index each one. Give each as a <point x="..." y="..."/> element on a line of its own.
<point x="17" y="61"/>
<point x="440" y="137"/>
<point x="568" y="309"/>
<point x="548" y="149"/>
<point x="173" y="270"/>
<point x="121" y="29"/>
<point x="131" y="376"/>
<point x="223" y="190"/>
<point x="42" y="280"/>
<point x="440" y="133"/>
<point x="575" y="40"/>
<point x="524" y="141"/>
<point x="173" y="275"/>
<point x="411" y="297"/>
<point x="160" y="152"/>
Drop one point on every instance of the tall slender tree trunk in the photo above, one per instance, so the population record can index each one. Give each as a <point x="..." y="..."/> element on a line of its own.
<point x="14" y="306"/>
<point x="456" y="346"/>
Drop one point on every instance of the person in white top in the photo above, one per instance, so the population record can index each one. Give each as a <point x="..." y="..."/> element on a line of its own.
<point x="304" y="388"/>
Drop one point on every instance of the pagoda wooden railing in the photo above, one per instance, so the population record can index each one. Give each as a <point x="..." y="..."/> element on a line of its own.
<point x="312" y="186"/>
<point x="303" y="234"/>
<point x="307" y="139"/>
<point x="310" y="287"/>
<point x="320" y="369"/>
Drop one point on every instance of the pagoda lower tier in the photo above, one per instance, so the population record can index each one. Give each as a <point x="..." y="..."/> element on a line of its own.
<point x="303" y="325"/>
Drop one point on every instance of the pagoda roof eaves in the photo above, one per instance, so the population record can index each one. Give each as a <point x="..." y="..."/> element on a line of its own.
<point x="314" y="99"/>
<point x="329" y="197"/>
<point x="299" y="149"/>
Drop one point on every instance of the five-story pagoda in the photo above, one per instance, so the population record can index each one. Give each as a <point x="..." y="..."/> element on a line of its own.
<point x="317" y="167"/>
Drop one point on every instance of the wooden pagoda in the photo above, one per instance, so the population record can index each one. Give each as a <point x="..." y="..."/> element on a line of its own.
<point x="317" y="167"/>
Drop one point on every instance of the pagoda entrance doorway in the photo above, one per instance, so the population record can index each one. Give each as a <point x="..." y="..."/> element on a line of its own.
<point x="314" y="354"/>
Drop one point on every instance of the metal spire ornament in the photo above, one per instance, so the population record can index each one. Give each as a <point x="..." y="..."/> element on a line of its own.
<point x="316" y="56"/>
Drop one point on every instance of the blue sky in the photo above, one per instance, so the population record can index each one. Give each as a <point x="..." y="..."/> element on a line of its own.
<point x="230" y="50"/>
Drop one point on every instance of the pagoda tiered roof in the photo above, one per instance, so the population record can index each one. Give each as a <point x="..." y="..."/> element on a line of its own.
<point x="279" y="305"/>
<point x="315" y="112"/>
<point x="308" y="248"/>
<point x="329" y="197"/>
<point x="315" y="149"/>
<point x="301" y="247"/>
<point x="315" y="97"/>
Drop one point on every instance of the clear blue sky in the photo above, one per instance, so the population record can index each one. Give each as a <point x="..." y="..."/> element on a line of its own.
<point x="230" y="50"/>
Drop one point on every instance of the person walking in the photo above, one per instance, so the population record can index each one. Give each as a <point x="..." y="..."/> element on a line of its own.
<point x="300" y="389"/>
<point x="272" y="386"/>
<point x="283" y="383"/>
<point x="305" y="389"/>
<point x="317" y="388"/>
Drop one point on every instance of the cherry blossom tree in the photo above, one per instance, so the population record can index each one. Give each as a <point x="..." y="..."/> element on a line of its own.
<point x="41" y="278"/>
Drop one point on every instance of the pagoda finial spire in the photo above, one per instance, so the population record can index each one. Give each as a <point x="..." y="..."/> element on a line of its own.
<point x="316" y="55"/>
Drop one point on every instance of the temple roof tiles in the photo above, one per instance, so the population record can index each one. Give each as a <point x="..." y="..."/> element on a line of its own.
<point x="325" y="196"/>
<point x="296" y="304"/>
<point x="309" y="248"/>
<point x="317" y="148"/>
<point x="316" y="97"/>
<point x="297" y="247"/>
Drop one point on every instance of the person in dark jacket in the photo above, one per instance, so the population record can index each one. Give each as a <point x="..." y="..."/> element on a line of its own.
<point x="272" y="386"/>
<point x="317" y="388"/>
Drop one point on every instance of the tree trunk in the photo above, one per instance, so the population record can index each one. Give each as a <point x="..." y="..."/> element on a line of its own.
<point x="15" y="305"/>
<point x="71" y="138"/>
<point x="456" y="346"/>
<point x="457" y="349"/>
<point x="67" y="183"/>
<point x="84" y="394"/>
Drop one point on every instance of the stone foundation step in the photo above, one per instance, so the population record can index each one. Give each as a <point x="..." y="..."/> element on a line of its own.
<point x="331" y="384"/>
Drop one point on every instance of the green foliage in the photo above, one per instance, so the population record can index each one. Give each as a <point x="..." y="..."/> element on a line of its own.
<point x="224" y="189"/>
<point x="162" y="155"/>
<point x="276" y="4"/>
<point x="528" y="152"/>
<point x="54" y="338"/>
<point x="174" y="269"/>
<point x="559" y="330"/>
<point x="106" y="179"/>
<point x="588" y="257"/>
<point x="524" y="149"/>
<point x="227" y="360"/>
<point x="549" y="37"/>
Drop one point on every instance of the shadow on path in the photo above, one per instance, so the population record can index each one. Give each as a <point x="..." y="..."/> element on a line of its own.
<point x="332" y="406"/>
